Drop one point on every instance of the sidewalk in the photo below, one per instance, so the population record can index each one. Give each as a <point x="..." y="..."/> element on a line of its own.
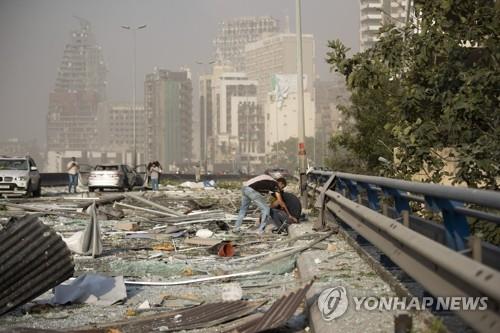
<point x="338" y="264"/>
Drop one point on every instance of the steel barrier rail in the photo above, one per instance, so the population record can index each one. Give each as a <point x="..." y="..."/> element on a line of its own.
<point x="481" y="197"/>
<point x="448" y="200"/>
<point x="440" y="270"/>
<point x="443" y="233"/>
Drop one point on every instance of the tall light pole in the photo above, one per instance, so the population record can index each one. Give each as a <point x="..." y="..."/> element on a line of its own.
<point x="300" y="100"/>
<point x="249" y="107"/>
<point x="205" y="125"/>
<point x="134" y="153"/>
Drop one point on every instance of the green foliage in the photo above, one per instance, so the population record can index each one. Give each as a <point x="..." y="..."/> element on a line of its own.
<point x="287" y="155"/>
<point x="428" y="92"/>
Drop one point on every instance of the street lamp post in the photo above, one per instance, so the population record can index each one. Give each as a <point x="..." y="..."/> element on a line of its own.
<point x="248" y="137"/>
<point x="300" y="100"/>
<point x="205" y="125"/>
<point x="134" y="140"/>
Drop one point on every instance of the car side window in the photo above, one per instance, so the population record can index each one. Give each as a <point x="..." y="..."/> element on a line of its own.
<point x="32" y="163"/>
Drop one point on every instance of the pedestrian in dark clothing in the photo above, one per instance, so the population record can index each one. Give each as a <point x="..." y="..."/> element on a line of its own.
<point x="252" y="192"/>
<point x="280" y="218"/>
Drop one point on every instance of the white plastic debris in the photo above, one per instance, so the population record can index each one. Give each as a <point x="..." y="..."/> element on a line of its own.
<point x="192" y="185"/>
<point x="144" y="305"/>
<point x="232" y="292"/>
<point x="204" y="233"/>
<point x="317" y="261"/>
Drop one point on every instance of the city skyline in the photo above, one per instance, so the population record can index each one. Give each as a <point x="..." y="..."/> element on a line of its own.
<point x="38" y="51"/>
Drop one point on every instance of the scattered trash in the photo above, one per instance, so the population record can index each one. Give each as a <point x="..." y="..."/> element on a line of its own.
<point x="91" y="289"/>
<point x="176" y="237"/>
<point x="164" y="247"/>
<point x="223" y="249"/>
<point x="204" y="233"/>
<point x="193" y="185"/>
<point x="87" y="242"/>
<point x="332" y="247"/>
<point x="317" y="261"/>
<point x="232" y="292"/>
<point x="144" y="305"/>
<point x="33" y="259"/>
<point x="278" y="313"/>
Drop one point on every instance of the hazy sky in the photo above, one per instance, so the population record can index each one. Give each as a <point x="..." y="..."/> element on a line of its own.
<point x="33" y="34"/>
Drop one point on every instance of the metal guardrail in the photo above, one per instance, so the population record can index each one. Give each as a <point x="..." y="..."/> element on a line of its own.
<point x="444" y="258"/>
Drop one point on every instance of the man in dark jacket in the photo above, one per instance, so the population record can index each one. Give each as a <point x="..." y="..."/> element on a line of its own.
<point x="280" y="218"/>
<point x="252" y="191"/>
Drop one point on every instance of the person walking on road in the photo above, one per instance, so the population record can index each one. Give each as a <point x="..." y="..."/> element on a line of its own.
<point x="197" y="172"/>
<point x="251" y="192"/>
<point x="73" y="170"/>
<point x="155" y="172"/>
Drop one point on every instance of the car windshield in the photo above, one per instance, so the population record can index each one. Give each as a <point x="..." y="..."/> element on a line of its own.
<point x="13" y="164"/>
<point x="106" y="167"/>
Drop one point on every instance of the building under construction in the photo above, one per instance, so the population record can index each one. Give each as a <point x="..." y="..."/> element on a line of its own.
<point x="80" y="86"/>
<point x="235" y="33"/>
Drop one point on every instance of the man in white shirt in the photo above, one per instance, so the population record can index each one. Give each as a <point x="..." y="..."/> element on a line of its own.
<point x="73" y="169"/>
<point x="252" y="191"/>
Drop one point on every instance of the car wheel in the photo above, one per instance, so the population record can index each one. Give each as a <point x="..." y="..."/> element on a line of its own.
<point x="29" y="190"/>
<point x="38" y="191"/>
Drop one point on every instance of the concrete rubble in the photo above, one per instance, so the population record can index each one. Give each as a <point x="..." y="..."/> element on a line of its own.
<point x="169" y="251"/>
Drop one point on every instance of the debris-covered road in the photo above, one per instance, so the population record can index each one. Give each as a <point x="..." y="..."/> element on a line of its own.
<point x="164" y="261"/>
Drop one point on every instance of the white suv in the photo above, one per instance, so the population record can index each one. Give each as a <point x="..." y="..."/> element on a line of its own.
<point x="19" y="176"/>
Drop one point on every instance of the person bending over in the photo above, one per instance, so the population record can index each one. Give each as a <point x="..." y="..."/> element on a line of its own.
<point x="253" y="190"/>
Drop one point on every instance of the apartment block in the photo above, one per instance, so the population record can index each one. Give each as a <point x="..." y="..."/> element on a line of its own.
<point x="375" y="13"/>
<point x="116" y="130"/>
<point x="168" y="112"/>
<point x="278" y="55"/>
<point x="330" y="95"/>
<point x="229" y="98"/>
<point x="281" y="112"/>
<point x="234" y="34"/>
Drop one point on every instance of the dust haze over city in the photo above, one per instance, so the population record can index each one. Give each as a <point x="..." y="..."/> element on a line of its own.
<point x="177" y="45"/>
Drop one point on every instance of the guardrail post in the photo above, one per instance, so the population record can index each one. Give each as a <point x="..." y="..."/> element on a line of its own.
<point x="385" y="209"/>
<point x="353" y="188"/>
<point x="400" y="202"/>
<point x="406" y="218"/>
<point x="457" y="228"/>
<point x="476" y="248"/>
<point x="403" y="323"/>
<point x="372" y="194"/>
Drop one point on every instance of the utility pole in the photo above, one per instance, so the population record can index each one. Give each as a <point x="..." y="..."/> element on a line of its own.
<point x="300" y="100"/>
<point x="134" y="153"/>
<point x="205" y="124"/>
<point x="248" y="137"/>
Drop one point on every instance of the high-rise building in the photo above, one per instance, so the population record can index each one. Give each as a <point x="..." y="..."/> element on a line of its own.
<point x="282" y="117"/>
<point x="115" y="130"/>
<point x="168" y="109"/>
<point x="234" y="34"/>
<point x="80" y="86"/>
<point x="278" y="55"/>
<point x="329" y="96"/>
<point x="375" y="13"/>
<point x="228" y="99"/>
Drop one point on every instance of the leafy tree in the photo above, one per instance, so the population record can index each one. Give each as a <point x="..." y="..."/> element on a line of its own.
<point x="287" y="153"/>
<point x="429" y="92"/>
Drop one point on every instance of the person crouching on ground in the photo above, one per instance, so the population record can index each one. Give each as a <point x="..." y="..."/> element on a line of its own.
<point x="252" y="192"/>
<point x="280" y="218"/>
